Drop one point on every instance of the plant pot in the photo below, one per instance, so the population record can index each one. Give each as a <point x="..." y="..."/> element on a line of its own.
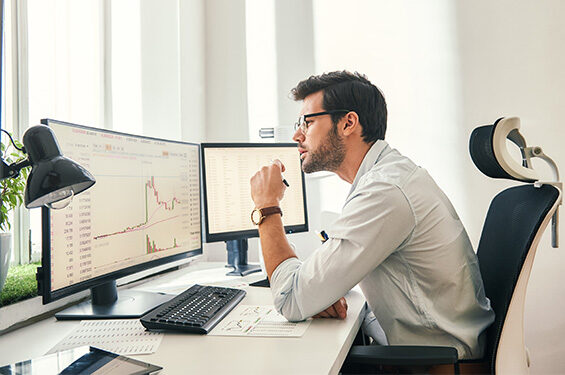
<point x="5" y="255"/>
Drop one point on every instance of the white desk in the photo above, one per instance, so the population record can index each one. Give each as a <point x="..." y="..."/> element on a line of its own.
<point x="321" y="350"/>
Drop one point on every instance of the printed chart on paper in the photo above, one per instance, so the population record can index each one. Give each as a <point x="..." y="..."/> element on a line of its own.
<point x="259" y="320"/>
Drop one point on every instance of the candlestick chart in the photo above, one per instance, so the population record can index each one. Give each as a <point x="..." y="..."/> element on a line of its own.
<point x="144" y="206"/>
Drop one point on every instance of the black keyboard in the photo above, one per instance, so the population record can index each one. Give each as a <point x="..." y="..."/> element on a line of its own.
<point x="196" y="310"/>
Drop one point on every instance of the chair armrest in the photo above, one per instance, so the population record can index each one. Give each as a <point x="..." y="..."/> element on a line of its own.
<point x="401" y="355"/>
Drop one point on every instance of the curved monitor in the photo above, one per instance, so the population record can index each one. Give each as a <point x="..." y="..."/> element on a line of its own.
<point x="143" y="211"/>
<point x="227" y="169"/>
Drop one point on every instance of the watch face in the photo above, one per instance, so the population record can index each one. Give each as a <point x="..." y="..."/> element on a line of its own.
<point x="256" y="216"/>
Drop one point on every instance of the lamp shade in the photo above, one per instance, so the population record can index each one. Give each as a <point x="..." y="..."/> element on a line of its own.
<point x="53" y="177"/>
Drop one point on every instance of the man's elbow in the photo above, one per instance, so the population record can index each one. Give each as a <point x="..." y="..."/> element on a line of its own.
<point x="293" y="316"/>
<point x="289" y="309"/>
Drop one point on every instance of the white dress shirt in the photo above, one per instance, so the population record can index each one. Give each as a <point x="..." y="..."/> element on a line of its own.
<point x="401" y="240"/>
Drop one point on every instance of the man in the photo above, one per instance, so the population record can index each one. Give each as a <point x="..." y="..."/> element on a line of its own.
<point x="398" y="235"/>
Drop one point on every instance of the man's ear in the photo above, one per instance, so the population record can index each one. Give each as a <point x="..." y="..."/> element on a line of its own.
<point x="351" y="123"/>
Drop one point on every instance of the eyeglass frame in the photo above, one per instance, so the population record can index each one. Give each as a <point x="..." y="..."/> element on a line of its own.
<point x="303" y="125"/>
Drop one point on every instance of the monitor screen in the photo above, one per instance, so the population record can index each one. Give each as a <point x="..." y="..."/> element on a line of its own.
<point x="227" y="170"/>
<point x="143" y="210"/>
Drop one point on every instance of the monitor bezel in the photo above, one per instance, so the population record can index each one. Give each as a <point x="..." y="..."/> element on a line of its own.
<point x="52" y="295"/>
<point x="251" y="233"/>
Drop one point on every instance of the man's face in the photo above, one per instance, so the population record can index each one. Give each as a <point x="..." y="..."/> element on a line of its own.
<point x="321" y="147"/>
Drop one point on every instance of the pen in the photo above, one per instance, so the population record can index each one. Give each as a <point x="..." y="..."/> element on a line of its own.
<point x="323" y="236"/>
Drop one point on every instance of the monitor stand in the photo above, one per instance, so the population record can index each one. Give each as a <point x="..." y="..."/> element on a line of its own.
<point x="237" y="258"/>
<point x="106" y="303"/>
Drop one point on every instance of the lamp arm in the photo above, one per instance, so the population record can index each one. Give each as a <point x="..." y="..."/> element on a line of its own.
<point x="13" y="170"/>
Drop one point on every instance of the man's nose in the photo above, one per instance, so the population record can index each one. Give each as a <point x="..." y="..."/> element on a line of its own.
<point x="298" y="135"/>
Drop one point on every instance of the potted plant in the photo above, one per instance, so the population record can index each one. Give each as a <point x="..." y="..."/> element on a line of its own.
<point x="12" y="190"/>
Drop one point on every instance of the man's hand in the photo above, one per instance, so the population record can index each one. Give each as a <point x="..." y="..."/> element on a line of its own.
<point x="337" y="310"/>
<point x="267" y="187"/>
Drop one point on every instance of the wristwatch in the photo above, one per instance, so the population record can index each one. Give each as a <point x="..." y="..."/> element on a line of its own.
<point x="259" y="214"/>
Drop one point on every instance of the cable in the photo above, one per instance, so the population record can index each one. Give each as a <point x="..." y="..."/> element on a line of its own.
<point x="12" y="140"/>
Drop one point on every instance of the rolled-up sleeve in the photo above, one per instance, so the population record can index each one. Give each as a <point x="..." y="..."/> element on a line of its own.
<point x="375" y="221"/>
<point x="283" y="278"/>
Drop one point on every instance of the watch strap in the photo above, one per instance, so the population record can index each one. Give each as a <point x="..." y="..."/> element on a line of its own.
<point x="270" y="211"/>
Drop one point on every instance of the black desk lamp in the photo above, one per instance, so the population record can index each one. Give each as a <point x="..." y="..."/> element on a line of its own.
<point x="54" y="179"/>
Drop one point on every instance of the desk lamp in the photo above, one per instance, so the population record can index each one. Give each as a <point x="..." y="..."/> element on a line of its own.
<point x="54" y="179"/>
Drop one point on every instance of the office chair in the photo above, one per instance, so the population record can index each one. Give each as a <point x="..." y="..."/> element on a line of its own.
<point x="515" y="222"/>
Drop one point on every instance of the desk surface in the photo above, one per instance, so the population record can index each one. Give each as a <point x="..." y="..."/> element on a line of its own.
<point x="321" y="350"/>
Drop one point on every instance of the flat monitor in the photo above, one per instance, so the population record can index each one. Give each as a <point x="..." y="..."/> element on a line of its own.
<point x="227" y="170"/>
<point x="144" y="211"/>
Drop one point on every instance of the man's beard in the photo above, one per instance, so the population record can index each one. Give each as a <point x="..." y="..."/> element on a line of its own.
<point x="328" y="157"/>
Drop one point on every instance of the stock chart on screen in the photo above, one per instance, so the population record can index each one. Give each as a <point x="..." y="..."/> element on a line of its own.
<point x="145" y="204"/>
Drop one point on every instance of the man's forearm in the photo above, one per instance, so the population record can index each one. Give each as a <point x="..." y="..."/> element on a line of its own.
<point x="274" y="244"/>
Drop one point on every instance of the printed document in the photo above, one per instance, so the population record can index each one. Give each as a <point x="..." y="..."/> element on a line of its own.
<point x="263" y="321"/>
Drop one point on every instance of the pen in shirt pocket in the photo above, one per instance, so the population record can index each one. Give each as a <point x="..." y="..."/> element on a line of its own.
<point x="323" y="236"/>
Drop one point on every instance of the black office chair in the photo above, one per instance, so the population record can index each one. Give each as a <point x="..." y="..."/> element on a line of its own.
<point x="515" y="222"/>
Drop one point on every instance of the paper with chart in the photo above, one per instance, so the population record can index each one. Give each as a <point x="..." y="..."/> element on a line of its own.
<point x="122" y="336"/>
<point x="265" y="321"/>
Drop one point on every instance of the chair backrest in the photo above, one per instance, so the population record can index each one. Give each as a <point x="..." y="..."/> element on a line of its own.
<point x="515" y="221"/>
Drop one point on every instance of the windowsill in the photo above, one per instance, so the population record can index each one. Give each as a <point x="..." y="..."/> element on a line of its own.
<point x="32" y="310"/>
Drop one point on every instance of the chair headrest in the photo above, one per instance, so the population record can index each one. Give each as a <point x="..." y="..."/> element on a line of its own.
<point x="487" y="146"/>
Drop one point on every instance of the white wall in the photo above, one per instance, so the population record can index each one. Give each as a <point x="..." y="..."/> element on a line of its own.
<point x="192" y="70"/>
<point x="262" y="69"/>
<point x="226" y="71"/>
<point x="160" y="69"/>
<point x="225" y="86"/>
<point x="446" y="67"/>
<point x="512" y="60"/>
<point x="408" y="49"/>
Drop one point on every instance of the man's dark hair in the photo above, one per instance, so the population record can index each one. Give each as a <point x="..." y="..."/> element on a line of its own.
<point x="351" y="91"/>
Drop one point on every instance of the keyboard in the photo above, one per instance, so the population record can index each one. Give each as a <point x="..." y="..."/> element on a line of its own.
<point x="196" y="310"/>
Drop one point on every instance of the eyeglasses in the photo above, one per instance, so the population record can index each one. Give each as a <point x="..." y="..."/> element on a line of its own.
<point x="303" y="125"/>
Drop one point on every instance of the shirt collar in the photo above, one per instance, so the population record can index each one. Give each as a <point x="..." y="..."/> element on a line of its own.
<point x="371" y="158"/>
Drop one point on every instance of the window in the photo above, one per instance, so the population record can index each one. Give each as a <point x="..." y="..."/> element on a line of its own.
<point x="9" y="103"/>
<point x="102" y="63"/>
<point x="65" y="61"/>
<point x="65" y="72"/>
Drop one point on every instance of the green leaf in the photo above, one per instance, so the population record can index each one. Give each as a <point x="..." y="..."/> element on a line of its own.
<point x="12" y="188"/>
